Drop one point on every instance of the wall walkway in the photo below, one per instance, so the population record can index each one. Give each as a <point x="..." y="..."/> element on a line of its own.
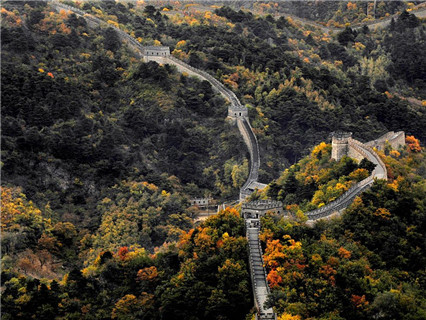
<point x="258" y="273"/>
<point x="250" y="139"/>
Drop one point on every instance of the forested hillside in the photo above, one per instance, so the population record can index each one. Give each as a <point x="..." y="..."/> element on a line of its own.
<point x="368" y="264"/>
<point x="80" y="114"/>
<point x="102" y="152"/>
<point x="202" y="276"/>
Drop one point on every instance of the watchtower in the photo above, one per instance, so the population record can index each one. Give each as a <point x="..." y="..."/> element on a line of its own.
<point x="339" y="144"/>
<point x="201" y="202"/>
<point x="237" y="111"/>
<point x="258" y="208"/>
<point x="156" y="51"/>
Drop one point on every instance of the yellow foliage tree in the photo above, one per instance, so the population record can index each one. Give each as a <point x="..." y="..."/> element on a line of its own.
<point x="288" y="316"/>
<point x="359" y="174"/>
<point x="16" y="209"/>
<point x="180" y="44"/>
<point x="129" y="306"/>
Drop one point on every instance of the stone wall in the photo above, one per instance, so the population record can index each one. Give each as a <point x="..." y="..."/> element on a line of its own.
<point x="156" y="51"/>
<point x="257" y="271"/>
<point x="259" y="208"/>
<point x="339" y="143"/>
<point x="354" y="151"/>
<point x="251" y="142"/>
<point x="359" y="151"/>
<point x="158" y="59"/>
<point x="200" y="202"/>
<point x="237" y="111"/>
<point x="394" y="139"/>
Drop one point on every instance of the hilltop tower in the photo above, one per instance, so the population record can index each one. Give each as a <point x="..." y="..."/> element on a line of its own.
<point x="339" y="144"/>
<point x="237" y="111"/>
<point x="156" y="51"/>
<point x="258" y="208"/>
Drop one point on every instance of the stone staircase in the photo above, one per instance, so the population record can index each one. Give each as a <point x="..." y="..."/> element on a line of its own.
<point x="258" y="273"/>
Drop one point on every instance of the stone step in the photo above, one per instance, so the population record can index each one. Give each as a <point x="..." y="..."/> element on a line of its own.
<point x="260" y="284"/>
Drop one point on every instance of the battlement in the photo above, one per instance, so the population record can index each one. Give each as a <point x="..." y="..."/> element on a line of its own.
<point x="262" y="204"/>
<point x="201" y="202"/>
<point x="258" y="208"/>
<point x="156" y="51"/>
<point x="235" y="111"/>
<point x="394" y="139"/>
<point x="341" y="136"/>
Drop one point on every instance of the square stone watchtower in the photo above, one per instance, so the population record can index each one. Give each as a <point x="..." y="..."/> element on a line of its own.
<point x="156" y="51"/>
<point x="237" y="111"/>
<point x="258" y="208"/>
<point x="339" y="144"/>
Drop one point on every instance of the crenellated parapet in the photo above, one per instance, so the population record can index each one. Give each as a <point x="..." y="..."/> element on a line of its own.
<point x="156" y="51"/>
<point x="258" y="208"/>
<point x="394" y="139"/>
<point x="250" y="139"/>
<point x="201" y="202"/>
<point x="237" y="111"/>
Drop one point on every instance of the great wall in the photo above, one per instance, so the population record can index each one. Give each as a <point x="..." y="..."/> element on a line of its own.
<point x="418" y="10"/>
<point x="342" y="145"/>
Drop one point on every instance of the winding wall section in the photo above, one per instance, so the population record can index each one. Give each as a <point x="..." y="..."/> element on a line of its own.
<point x="235" y="109"/>
<point x="239" y="112"/>
<point x="359" y="151"/>
<point x="250" y="139"/>
<point x="419" y="11"/>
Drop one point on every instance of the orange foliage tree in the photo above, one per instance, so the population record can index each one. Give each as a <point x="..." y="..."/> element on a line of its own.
<point x="147" y="274"/>
<point x="413" y="144"/>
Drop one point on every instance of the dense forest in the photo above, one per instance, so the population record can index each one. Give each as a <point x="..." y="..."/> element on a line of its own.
<point x="102" y="152"/>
